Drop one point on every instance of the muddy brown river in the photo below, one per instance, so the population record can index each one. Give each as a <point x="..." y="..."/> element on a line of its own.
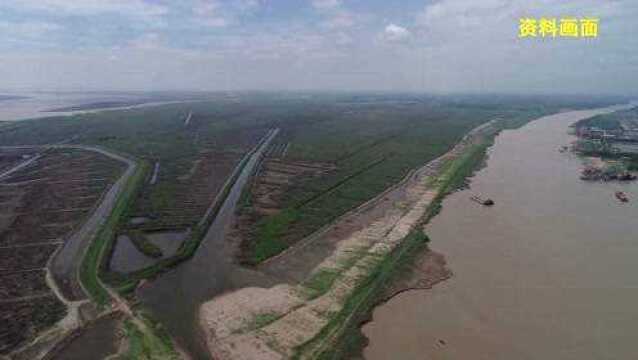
<point x="549" y="272"/>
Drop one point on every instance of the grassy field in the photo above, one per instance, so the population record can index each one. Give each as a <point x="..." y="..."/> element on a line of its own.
<point x="373" y="140"/>
<point x="127" y="283"/>
<point x="373" y="145"/>
<point x="341" y="337"/>
<point x="612" y="121"/>
<point x="154" y="134"/>
<point x="370" y="141"/>
<point x="154" y="344"/>
<point x="93" y="259"/>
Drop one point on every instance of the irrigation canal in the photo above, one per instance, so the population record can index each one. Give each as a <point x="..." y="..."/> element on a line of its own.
<point x="175" y="297"/>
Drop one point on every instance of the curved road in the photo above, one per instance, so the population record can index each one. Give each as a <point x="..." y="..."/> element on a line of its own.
<point x="66" y="262"/>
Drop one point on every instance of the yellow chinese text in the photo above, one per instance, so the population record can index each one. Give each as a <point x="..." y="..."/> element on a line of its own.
<point x="568" y="27"/>
<point x="527" y="28"/>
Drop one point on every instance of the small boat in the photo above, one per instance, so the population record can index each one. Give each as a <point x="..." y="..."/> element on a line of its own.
<point x="486" y="202"/>
<point x="621" y="196"/>
<point x="626" y="176"/>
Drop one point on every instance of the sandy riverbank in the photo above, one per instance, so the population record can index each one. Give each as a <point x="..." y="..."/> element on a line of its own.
<point x="271" y="323"/>
<point x="544" y="274"/>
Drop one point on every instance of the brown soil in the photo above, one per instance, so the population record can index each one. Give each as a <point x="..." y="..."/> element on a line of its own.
<point x="12" y="157"/>
<point x="41" y="205"/>
<point x="193" y="194"/>
<point x="348" y="248"/>
<point x="273" y="179"/>
<point x="21" y="321"/>
<point x="21" y="284"/>
<point x="298" y="262"/>
<point x="428" y="270"/>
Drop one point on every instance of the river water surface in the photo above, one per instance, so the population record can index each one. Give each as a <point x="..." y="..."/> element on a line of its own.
<point x="549" y="272"/>
<point x="175" y="297"/>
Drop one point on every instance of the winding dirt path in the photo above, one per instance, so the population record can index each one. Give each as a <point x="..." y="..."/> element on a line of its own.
<point x="62" y="270"/>
<point x="66" y="262"/>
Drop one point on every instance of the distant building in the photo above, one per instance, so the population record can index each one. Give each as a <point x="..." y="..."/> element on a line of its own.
<point x="630" y="135"/>
<point x="621" y="134"/>
<point x="593" y="133"/>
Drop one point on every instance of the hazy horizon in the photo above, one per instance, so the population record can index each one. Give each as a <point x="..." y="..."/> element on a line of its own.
<point x="417" y="46"/>
<point x="300" y="91"/>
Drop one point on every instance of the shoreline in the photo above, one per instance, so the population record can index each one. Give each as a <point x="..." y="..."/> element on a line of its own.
<point x="284" y="321"/>
<point x="370" y="319"/>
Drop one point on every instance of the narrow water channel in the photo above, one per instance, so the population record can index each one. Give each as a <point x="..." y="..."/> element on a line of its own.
<point x="97" y="341"/>
<point x="549" y="272"/>
<point x="175" y="297"/>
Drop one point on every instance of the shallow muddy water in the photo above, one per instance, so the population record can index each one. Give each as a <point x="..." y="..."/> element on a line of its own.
<point x="98" y="341"/>
<point x="38" y="105"/>
<point x="127" y="258"/>
<point x="549" y="272"/>
<point x="175" y="297"/>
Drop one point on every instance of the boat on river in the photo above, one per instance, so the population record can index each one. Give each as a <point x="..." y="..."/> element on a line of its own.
<point x="484" y="202"/>
<point x="621" y="196"/>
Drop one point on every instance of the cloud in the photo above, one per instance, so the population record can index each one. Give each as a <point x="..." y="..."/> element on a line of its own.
<point x="129" y="8"/>
<point x="146" y="41"/>
<point x="450" y="45"/>
<point x="395" y="33"/>
<point x="476" y="43"/>
<point x="339" y="20"/>
<point x="449" y="9"/>
<point x="249" y="5"/>
<point x="215" y="13"/>
<point x="209" y="13"/>
<point x="213" y="21"/>
<point x="343" y="39"/>
<point x="206" y="7"/>
<point x="326" y="4"/>
<point x="30" y="30"/>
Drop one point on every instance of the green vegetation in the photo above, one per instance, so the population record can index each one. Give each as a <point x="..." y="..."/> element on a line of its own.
<point x="373" y="148"/>
<point x="591" y="147"/>
<point x="373" y="139"/>
<point x="143" y="245"/>
<point x="611" y="121"/>
<point x="362" y="301"/>
<point x="94" y="255"/>
<point x="262" y="320"/>
<point x="270" y="232"/>
<point x="128" y="282"/>
<point x="157" y="134"/>
<point x="136" y="346"/>
<point x="320" y="282"/>
<point x="146" y="345"/>
<point x="455" y="176"/>
<point x="342" y="337"/>
<point x="259" y="321"/>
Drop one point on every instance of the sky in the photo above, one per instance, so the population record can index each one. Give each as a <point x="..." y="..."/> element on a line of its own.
<point x="440" y="46"/>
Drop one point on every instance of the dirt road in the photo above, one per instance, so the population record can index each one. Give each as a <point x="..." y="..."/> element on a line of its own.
<point x="19" y="166"/>
<point x="67" y="260"/>
<point x="64" y="264"/>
